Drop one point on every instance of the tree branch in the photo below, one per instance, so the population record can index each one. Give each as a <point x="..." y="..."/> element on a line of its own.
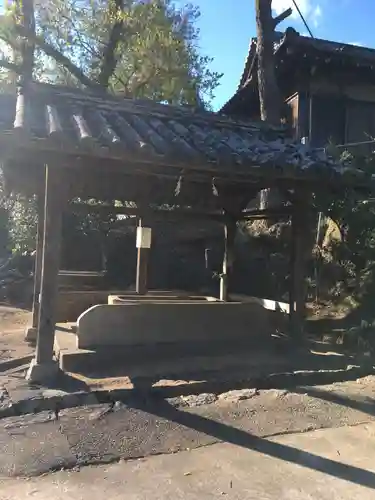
<point x="83" y="43"/>
<point x="4" y="63"/>
<point x="109" y="60"/>
<point x="27" y="46"/>
<point x="281" y="17"/>
<point x="50" y="51"/>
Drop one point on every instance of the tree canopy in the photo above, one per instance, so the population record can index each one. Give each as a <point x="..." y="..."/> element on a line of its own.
<point x="141" y="49"/>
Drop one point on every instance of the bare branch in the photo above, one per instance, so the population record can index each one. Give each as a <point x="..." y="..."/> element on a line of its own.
<point x="50" y="51"/>
<point x="4" y="63"/>
<point x="120" y="81"/>
<point x="83" y="43"/>
<point x="109" y="60"/>
<point x="281" y="17"/>
<point x="12" y="43"/>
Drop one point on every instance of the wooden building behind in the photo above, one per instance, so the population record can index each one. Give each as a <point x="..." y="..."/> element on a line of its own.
<point x="328" y="89"/>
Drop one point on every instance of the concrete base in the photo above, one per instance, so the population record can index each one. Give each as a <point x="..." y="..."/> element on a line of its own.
<point x="213" y="363"/>
<point x="72" y="303"/>
<point x="139" y="322"/>
<point x="42" y="373"/>
<point x="160" y="360"/>
<point x="31" y="334"/>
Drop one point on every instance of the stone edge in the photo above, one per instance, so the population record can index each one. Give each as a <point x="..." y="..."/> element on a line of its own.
<point x="274" y="381"/>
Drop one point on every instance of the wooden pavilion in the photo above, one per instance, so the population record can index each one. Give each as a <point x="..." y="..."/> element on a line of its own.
<point x="61" y="144"/>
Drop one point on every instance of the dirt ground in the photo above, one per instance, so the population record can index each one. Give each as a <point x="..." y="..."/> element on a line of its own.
<point x="13" y="318"/>
<point x="13" y="322"/>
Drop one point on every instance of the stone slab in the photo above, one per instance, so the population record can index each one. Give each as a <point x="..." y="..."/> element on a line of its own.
<point x="159" y="297"/>
<point x="173" y="359"/>
<point x="73" y="302"/>
<point x="142" y="323"/>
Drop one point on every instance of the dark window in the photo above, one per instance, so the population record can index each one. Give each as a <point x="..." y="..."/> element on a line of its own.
<point x="327" y="120"/>
<point x="360" y="124"/>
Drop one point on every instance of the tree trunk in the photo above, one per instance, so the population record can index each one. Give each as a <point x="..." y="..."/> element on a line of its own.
<point x="269" y="94"/>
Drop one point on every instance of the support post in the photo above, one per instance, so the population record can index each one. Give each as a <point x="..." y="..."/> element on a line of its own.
<point x="31" y="331"/>
<point x="143" y="247"/>
<point x="297" y="291"/>
<point x="224" y="272"/>
<point x="43" y="367"/>
<point x="229" y="236"/>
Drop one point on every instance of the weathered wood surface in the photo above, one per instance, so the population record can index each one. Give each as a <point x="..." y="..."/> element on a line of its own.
<point x="299" y="246"/>
<point x="38" y="259"/>
<point x="53" y="208"/>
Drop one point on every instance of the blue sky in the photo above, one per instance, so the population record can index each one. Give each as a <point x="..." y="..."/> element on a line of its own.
<point x="227" y="26"/>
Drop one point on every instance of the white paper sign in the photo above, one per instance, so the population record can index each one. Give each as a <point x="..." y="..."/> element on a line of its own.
<point x="143" y="237"/>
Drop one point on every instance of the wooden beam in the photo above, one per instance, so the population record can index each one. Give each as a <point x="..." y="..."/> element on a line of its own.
<point x="72" y="156"/>
<point x="85" y="208"/>
<point x="53" y="204"/>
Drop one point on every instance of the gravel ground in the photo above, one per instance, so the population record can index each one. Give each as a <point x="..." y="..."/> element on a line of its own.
<point x="101" y="433"/>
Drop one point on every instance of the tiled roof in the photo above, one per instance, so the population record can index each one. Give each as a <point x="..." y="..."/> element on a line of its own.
<point x="76" y="123"/>
<point x="360" y="56"/>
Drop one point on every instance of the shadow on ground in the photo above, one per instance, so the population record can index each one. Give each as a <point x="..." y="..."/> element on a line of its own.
<point x="364" y="404"/>
<point x="228" y="434"/>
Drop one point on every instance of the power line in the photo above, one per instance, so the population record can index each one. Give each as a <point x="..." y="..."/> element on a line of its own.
<point x="303" y="19"/>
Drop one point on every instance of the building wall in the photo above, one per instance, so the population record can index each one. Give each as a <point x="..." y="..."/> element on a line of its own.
<point x="338" y="113"/>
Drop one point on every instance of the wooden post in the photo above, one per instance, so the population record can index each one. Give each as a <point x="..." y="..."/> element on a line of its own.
<point x="292" y="297"/>
<point x="38" y="260"/>
<point x="143" y="256"/>
<point x="31" y="332"/>
<point x="229" y="236"/>
<point x="297" y="285"/>
<point x="43" y="366"/>
<point x="224" y="272"/>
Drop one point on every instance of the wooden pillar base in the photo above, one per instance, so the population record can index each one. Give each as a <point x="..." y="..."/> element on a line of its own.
<point x="142" y="270"/>
<point x="229" y="237"/>
<point x="31" y="334"/>
<point x="224" y="288"/>
<point x="298" y="267"/>
<point x="42" y="373"/>
<point x="143" y="257"/>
